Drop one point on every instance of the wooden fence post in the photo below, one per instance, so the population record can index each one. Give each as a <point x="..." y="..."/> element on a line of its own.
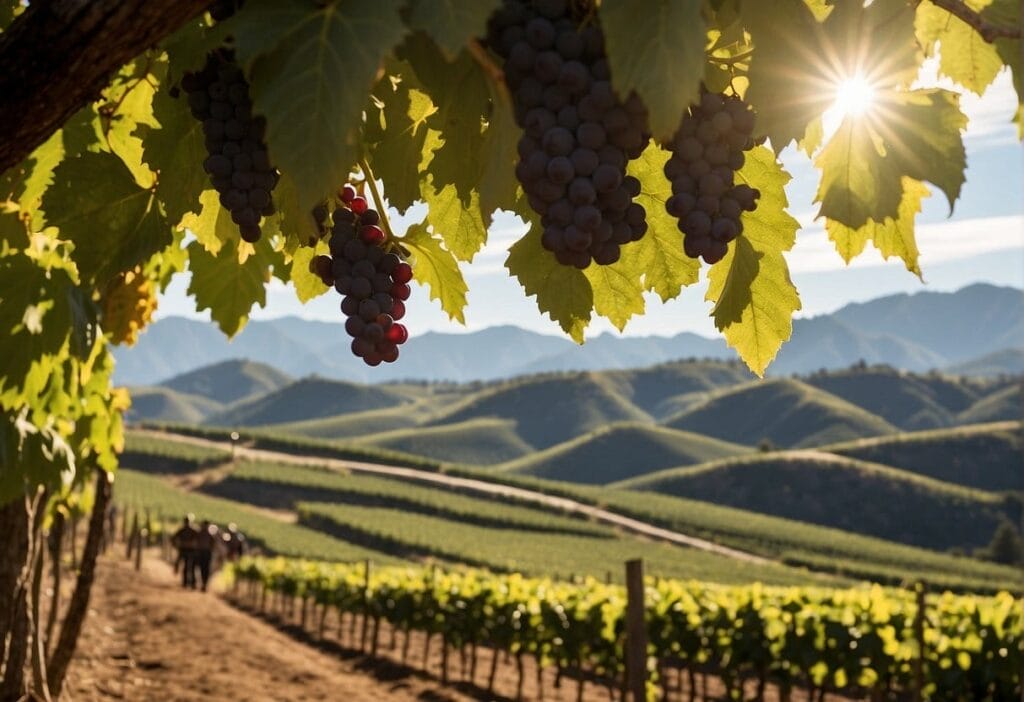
<point x="366" y="607"/>
<point x="636" y="632"/>
<point x="132" y="536"/>
<point x="919" y="619"/>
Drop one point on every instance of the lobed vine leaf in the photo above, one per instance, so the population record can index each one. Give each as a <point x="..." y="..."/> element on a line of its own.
<point x="891" y="236"/>
<point x="176" y="152"/>
<point x="462" y="227"/>
<point x="212" y="227"/>
<point x="962" y="54"/>
<point x="656" y="50"/>
<point x="311" y="66"/>
<point x="451" y="23"/>
<point x="563" y="293"/>
<point x="307" y="285"/>
<point x="659" y="254"/>
<point x="753" y="294"/>
<point x="231" y="281"/>
<point x="97" y="205"/>
<point x="437" y="268"/>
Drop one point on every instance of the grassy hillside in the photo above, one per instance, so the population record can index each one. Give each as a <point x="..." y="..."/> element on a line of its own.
<point x="786" y="412"/>
<point x="476" y="441"/>
<point x="844" y="493"/>
<point x="158" y="404"/>
<point x="1004" y="362"/>
<point x="986" y="456"/>
<point x="621" y="451"/>
<point x="359" y="424"/>
<point x="905" y="400"/>
<point x="548" y="410"/>
<point x="825" y="549"/>
<point x="230" y="381"/>
<point x="654" y="389"/>
<point x="1004" y="404"/>
<point x="308" y="398"/>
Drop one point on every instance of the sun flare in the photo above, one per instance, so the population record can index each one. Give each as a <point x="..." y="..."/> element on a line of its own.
<point x="854" y="96"/>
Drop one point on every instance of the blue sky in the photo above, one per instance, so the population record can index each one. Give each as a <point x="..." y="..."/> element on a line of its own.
<point x="982" y="241"/>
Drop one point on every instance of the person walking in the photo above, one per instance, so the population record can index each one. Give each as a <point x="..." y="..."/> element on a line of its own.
<point x="207" y="541"/>
<point x="185" y="540"/>
<point x="234" y="542"/>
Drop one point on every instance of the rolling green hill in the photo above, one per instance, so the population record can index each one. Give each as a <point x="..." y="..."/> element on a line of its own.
<point x="230" y="381"/>
<point x="548" y="410"/>
<point x="836" y="491"/>
<point x="1005" y="362"/>
<point x="620" y="451"/>
<point x="308" y="398"/>
<point x="654" y="389"/>
<point x="784" y="411"/>
<point x="906" y="400"/>
<point x="159" y="404"/>
<point x="1004" y="404"/>
<point x="482" y="441"/>
<point x="358" y="424"/>
<point x="984" y="456"/>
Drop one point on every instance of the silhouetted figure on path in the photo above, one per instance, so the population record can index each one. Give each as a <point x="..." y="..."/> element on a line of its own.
<point x="207" y="541"/>
<point x="234" y="543"/>
<point x="186" y="540"/>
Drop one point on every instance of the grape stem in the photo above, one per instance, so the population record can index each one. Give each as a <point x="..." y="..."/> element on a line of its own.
<point x="378" y="201"/>
<point x="480" y="55"/>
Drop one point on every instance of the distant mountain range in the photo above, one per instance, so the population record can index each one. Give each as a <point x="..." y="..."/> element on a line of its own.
<point x="978" y="330"/>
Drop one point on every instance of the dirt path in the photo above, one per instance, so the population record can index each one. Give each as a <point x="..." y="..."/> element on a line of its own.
<point x="146" y="639"/>
<point x="564" y="504"/>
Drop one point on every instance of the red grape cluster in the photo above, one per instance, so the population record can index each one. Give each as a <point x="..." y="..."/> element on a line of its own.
<point x="237" y="162"/>
<point x="373" y="280"/>
<point x="578" y="133"/>
<point x="707" y="150"/>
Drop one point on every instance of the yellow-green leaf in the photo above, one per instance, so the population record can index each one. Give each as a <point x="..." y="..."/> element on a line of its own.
<point x="307" y="284"/>
<point x="753" y="294"/>
<point x="563" y="293"/>
<point x="963" y="55"/>
<point x="460" y="226"/>
<point x="212" y="227"/>
<point x="435" y="267"/>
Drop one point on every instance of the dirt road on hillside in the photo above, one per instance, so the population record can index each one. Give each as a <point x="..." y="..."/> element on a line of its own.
<point x="563" y="504"/>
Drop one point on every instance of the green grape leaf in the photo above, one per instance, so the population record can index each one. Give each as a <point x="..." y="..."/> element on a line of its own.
<point x="477" y="147"/>
<point x="41" y="309"/>
<point x="964" y="56"/>
<point x="31" y="456"/>
<point x="654" y="45"/>
<point x="857" y="184"/>
<point x="176" y="151"/>
<point x="451" y="23"/>
<point x="1006" y="13"/>
<point x="753" y="294"/>
<point x="616" y="290"/>
<point x="312" y="66"/>
<point x="875" y="41"/>
<point x="212" y="227"/>
<point x="923" y="137"/>
<point x="562" y="292"/>
<point x="892" y="236"/>
<point x="114" y="224"/>
<point x="786" y="68"/>
<point x="437" y="268"/>
<point x="659" y="254"/>
<point x="229" y="286"/>
<point x="131" y="100"/>
<point x="462" y="228"/>
<point x="307" y="284"/>
<point x="398" y="137"/>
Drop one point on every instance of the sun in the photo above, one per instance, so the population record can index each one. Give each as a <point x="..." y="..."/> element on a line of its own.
<point x="854" y="96"/>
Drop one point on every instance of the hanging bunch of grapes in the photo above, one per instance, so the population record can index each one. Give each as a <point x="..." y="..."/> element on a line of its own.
<point x="579" y="134"/>
<point x="369" y="271"/>
<point x="707" y="150"/>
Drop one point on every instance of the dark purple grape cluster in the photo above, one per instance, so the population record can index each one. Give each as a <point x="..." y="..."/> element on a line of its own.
<point x="374" y="281"/>
<point x="238" y="163"/>
<point x="578" y="133"/>
<point x="706" y="153"/>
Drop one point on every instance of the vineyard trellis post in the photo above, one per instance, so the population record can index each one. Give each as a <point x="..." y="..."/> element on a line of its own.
<point x="636" y="632"/>
<point x="921" y="590"/>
